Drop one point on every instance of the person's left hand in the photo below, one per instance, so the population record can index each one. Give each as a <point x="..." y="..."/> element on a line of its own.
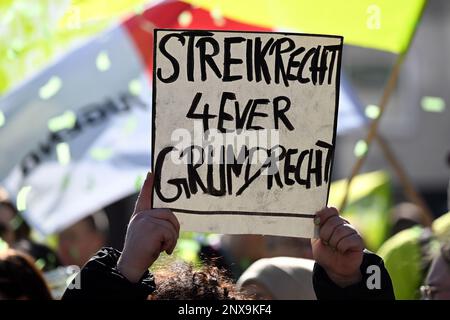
<point x="339" y="249"/>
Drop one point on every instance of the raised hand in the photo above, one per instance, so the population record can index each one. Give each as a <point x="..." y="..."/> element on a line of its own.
<point x="339" y="249"/>
<point x="150" y="232"/>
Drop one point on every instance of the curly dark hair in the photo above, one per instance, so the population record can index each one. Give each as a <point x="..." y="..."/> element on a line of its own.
<point x="182" y="281"/>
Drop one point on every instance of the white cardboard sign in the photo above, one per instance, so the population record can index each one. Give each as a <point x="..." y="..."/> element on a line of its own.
<point x="244" y="128"/>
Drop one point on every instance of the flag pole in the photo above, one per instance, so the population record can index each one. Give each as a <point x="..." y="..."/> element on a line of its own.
<point x="372" y="134"/>
<point x="406" y="183"/>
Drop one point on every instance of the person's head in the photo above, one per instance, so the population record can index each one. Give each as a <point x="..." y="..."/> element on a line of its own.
<point x="241" y="250"/>
<point x="48" y="259"/>
<point x="20" y="279"/>
<point x="12" y="226"/>
<point x="6" y="233"/>
<point x="182" y="281"/>
<point x="437" y="282"/>
<point x="280" y="278"/>
<point x="243" y="246"/>
<point x="275" y="246"/>
<point x="79" y="242"/>
<point x="406" y="215"/>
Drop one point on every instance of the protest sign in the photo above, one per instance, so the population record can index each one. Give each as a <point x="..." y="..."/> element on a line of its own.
<point x="244" y="128"/>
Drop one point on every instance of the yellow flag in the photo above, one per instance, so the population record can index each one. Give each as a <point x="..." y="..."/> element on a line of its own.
<point x="380" y="24"/>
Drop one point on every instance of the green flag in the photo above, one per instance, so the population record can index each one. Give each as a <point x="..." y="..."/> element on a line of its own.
<point x="368" y="205"/>
<point x="34" y="32"/>
<point x="380" y="24"/>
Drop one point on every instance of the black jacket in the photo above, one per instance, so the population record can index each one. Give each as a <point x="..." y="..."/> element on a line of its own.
<point x="369" y="288"/>
<point x="100" y="279"/>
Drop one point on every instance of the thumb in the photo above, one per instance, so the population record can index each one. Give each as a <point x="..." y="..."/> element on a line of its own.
<point x="144" y="200"/>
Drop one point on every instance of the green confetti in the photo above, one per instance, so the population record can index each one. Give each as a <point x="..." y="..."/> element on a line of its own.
<point x="21" y="201"/>
<point x="16" y="222"/>
<point x="185" y="19"/>
<point x="63" y="153"/>
<point x="65" y="182"/>
<point x="138" y="182"/>
<point x="52" y="241"/>
<point x="51" y="88"/>
<point x="103" y="63"/>
<point x="433" y="104"/>
<point x="101" y="154"/>
<point x="135" y="87"/>
<point x="130" y="125"/>
<point x="139" y="9"/>
<point x="2" y="119"/>
<point x="360" y="148"/>
<point x="65" y="121"/>
<point x="372" y="111"/>
<point x="3" y="245"/>
<point x="217" y="16"/>
<point x="47" y="28"/>
<point x="40" y="264"/>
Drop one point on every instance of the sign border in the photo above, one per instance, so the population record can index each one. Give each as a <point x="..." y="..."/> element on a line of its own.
<point x="337" y="89"/>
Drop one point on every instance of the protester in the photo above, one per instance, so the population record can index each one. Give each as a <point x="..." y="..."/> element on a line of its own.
<point x="287" y="247"/>
<point x="6" y="230"/>
<point x="437" y="282"/>
<point x="408" y="255"/>
<point x="284" y="273"/>
<point x="17" y="233"/>
<point x="406" y="215"/>
<point x="340" y="271"/>
<point x="20" y="279"/>
<point x="280" y="278"/>
<point x="237" y="252"/>
<point x="441" y="227"/>
<point x="234" y="253"/>
<point x="83" y="239"/>
<point x="181" y="281"/>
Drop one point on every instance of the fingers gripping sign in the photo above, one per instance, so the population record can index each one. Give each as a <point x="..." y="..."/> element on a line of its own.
<point x="150" y="232"/>
<point x="339" y="248"/>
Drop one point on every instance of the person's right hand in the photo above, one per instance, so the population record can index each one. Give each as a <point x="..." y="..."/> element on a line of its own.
<point x="339" y="248"/>
<point x="150" y="232"/>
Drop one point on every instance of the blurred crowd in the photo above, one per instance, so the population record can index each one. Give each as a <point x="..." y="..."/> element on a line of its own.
<point x="416" y="255"/>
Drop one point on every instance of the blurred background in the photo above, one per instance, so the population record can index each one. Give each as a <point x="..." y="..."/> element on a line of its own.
<point x="416" y="121"/>
<point x="75" y="107"/>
